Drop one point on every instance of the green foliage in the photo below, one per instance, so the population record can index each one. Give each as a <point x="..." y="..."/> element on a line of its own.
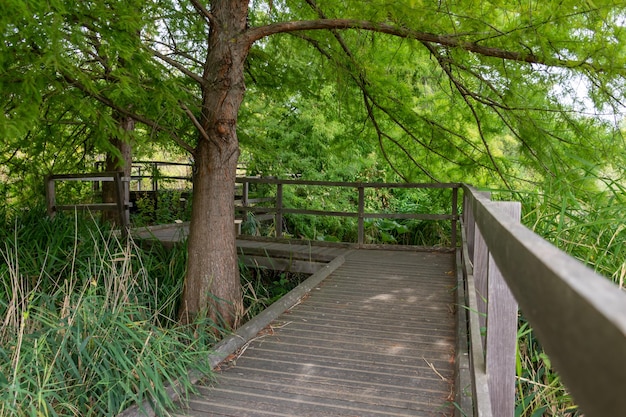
<point x="89" y="321"/>
<point x="262" y="287"/>
<point x="164" y="207"/>
<point x="434" y="112"/>
<point x="539" y="388"/>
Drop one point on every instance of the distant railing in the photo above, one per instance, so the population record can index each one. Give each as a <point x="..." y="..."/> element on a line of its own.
<point x="121" y="205"/>
<point x="278" y="209"/>
<point x="151" y="171"/>
<point x="578" y="315"/>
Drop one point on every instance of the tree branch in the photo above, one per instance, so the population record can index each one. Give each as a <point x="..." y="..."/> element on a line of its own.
<point x="137" y="117"/>
<point x="450" y="41"/>
<point x="178" y="66"/>
<point x="198" y="126"/>
<point x="207" y="14"/>
<point x="362" y="83"/>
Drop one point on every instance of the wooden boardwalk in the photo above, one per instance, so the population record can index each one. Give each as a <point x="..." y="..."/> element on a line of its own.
<point x="376" y="338"/>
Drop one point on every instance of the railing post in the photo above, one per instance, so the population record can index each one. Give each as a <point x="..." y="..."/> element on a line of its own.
<point x="361" y="215"/>
<point x="140" y="179"/>
<point x="455" y="214"/>
<point x="50" y="196"/>
<point x="245" y="194"/>
<point x="122" y="206"/>
<point x="501" y="332"/>
<point x="155" y="174"/>
<point x="470" y="225"/>
<point x="279" y="210"/>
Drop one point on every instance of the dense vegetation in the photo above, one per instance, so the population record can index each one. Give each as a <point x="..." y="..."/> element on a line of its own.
<point x="522" y="98"/>
<point x="88" y="320"/>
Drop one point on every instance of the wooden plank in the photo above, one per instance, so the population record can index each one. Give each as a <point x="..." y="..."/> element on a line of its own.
<point x="278" y="264"/>
<point x="93" y="176"/>
<point x="416" y="216"/>
<point x="482" y="400"/>
<point x="463" y="376"/>
<point x="96" y="206"/>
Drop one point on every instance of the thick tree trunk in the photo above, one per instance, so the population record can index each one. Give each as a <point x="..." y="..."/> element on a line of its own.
<point x="120" y="164"/>
<point x="212" y="284"/>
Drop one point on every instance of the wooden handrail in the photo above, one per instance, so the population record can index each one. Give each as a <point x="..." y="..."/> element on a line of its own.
<point x="121" y="205"/>
<point x="578" y="315"/>
<point x="279" y="210"/>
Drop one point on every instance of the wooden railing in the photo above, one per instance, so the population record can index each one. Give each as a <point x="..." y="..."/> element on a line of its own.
<point x="578" y="316"/>
<point x="278" y="209"/>
<point x="121" y="205"/>
<point x="152" y="171"/>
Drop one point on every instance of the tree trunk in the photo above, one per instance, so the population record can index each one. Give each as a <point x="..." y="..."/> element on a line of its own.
<point x="212" y="284"/>
<point x="116" y="164"/>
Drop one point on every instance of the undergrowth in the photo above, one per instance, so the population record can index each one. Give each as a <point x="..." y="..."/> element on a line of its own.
<point x="87" y="328"/>
<point x="262" y="287"/>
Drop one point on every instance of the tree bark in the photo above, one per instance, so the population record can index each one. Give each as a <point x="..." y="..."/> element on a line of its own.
<point x="212" y="284"/>
<point x="116" y="164"/>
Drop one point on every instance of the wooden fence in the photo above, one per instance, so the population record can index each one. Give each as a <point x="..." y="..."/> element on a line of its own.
<point x="278" y="209"/>
<point x="578" y="315"/>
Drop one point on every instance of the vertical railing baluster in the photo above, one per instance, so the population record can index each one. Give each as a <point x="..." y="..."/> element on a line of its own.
<point x="361" y="214"/>
<point x="50" y="196"/>
<point x="246" y="194"/>
<point x="279" y="210"/>
<point x="455" y="214"/>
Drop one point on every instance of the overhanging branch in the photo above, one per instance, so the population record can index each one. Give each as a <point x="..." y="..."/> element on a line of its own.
<point x="178" y="66"/>
<point x="137" y="117"/>
<point x="450" y="41"/>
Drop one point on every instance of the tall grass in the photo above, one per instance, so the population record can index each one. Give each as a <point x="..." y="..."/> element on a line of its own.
<point x="85" y="328"/>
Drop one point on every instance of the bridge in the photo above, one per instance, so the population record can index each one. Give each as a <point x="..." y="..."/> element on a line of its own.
<point x="397" y="330"/>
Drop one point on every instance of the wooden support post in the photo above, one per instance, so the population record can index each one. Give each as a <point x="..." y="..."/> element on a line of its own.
<point x="50" y="196"/>
<point x="279" y="210"/>
<point x="501" y="332"/>
<point x="455" y="214"/>
<point x="480" y="388"/>
<point x="155" y="180"/>
<point x="470" y="226"/>
<point x="361" y="214"/>
<point x="246" y="194"/>
<point x="121" y="201"/>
